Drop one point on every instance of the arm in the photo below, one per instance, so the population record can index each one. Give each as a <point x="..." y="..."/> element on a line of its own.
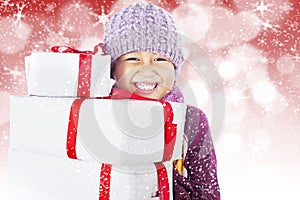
<point x="200" y="161"/>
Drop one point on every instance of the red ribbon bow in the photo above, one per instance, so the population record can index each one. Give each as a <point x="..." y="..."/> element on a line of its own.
<point x="67" y="49"/>
<point x="85" y="66"/>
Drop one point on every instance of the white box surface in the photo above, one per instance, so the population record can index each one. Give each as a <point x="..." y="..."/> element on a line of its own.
<point x="122" y="132"/>
<point x="56" y="74"/>
<point x="36" y="176"/>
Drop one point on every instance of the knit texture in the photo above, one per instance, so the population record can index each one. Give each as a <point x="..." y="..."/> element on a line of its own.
<point x="175" y="95"/>
<point x="143" y="27"/>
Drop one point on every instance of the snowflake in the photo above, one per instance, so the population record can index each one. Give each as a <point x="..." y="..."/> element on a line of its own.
<point x="37" y="47"/>
<point x="256" y="150"/>
<point x="6" y="4"/>
<point x="56" y="37"/>
<point x="9" y="49"/>
<point x="50" y="7"/>
<point x="102" y="18"/>
<point x="259" y="143"/>
<point x="235" y="97"/>
<point x="4" y="138"/>
<point x="277" y="43"/>
<point x="15" y="72"/>
<point x="267" y="110"/>
<point x="262" y="41"/>
<point x="43" y="23"/>
<point x="180" y="2"/>
<point x="267" y="25"/>
<point x="287" y="7"/>
<point x="162" y="2"/>
<point x="66" y="26"/>
<point x="292" y="25"/>
<point x="295" y="47"/>
<point x="76" y="6"/>
<point x="19" y="15"/>
<point x="262" y="7"/>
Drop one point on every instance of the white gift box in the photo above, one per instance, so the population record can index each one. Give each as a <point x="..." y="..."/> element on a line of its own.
<point x="122" y="132"/>
<point x="36" y="176"/>
<point x="68" y="74"/>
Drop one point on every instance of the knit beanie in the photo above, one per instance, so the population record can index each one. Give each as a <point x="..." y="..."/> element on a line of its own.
<point x="143" y="27"/>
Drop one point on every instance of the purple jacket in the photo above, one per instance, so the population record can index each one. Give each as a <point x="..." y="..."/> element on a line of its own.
<point x="200" y="160"/>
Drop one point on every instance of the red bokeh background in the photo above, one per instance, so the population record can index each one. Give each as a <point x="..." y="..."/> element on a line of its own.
<point x="254" y="44"/>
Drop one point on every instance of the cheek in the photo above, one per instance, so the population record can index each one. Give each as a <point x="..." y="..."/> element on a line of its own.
<point x="121" y="71"/>
<point x="168" y="76"/>
<point x="123" y="76"/>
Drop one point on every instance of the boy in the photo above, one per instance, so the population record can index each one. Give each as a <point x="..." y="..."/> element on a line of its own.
<point x="145" y="47"/>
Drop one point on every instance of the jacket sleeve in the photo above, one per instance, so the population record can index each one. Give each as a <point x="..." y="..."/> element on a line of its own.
<point x="200" y="161"/>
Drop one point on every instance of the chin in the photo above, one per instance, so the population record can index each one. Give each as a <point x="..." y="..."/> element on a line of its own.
<point x="152" y="96"/>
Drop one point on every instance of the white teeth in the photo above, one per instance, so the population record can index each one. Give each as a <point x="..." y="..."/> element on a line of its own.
<point x="145" y="86"/>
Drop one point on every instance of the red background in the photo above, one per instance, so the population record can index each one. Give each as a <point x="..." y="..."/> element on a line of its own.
<point x="258" y="152"/>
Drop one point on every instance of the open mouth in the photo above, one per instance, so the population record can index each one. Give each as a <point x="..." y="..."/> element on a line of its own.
<point x="144" y="87"/>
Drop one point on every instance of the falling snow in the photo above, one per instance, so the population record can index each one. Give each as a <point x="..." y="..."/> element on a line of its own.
<point x="254" y="44"/>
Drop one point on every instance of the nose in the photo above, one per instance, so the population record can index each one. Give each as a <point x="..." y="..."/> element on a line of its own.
<point x="147" y="71"/>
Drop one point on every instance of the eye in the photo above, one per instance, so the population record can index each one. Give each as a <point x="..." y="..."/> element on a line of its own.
<point x="135" y="59"/>
<point x="161" y="59"/>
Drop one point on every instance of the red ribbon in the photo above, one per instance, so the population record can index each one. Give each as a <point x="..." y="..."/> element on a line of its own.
<point x="67" y="49"/>
<point x="162" y="177"/>
<point x="72" y="128"/>
<point x="163" y="181"/>
<point x="84" y="75"/>
<point x="85" y="65"/>
<point x="104" y="189"/>
<point x="169" y="143"/>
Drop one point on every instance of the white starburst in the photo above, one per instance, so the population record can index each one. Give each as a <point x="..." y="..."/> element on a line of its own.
<point x="162" y="2"/>
<point x="76" y="5"/>
<point x="9" y="49"/>
<point x="15" y="72"/>
<point x="267" y="109"/>
<point x="50" y="7"/>
<point x="296" y="51"/>
<point x="19" y="15"/>
<point x="235" y="96"/>
<point x="45" y="27"/>
<point x="102" y="18"/>
<point x="292" y="25"/>
<point x="287" y="7"/>
<point x="6" y="4"/>
<point x="262" y="7"/>
<point x="67" y="26"/>
<point x="267" y="25"/>
<point x="262" y="41"/>
<point x="259" y="143"/>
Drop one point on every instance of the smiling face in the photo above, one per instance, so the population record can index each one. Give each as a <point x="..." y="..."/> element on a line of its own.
<point x="145" y="74"/>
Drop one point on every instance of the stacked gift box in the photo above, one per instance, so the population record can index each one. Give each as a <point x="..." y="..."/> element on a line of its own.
<point x="71" y="139"/>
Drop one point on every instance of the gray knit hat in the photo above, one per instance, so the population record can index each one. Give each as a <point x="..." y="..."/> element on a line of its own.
<point x="143" y="27"/>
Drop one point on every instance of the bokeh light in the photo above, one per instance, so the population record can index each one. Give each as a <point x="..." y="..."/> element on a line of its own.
<point x="254" y="45"/>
